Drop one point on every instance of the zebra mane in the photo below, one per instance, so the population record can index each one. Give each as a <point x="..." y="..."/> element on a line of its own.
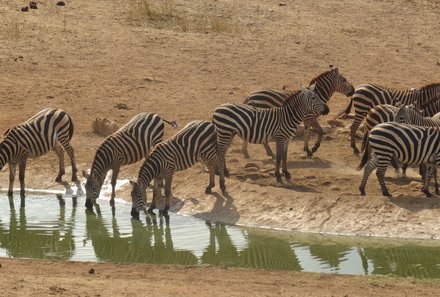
<point x="292" y="95"/>
<point x="428" y="86"/>
<point x="318" y="77"/>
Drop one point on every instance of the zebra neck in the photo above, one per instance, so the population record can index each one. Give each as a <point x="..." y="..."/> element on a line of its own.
<point x="293" y="111"/>
<point x="11" y="149"/>
<point x="148" y="172"/>
<point x="104" y="160"/>
<point x="324" y="92"/>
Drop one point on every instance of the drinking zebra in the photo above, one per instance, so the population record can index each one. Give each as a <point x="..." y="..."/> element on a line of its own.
<point x="50" y="129"/>
<point x="367" y="96"/>
<point x="196" y="141"/>
<point x="129" y="144"/>
<point x="327" y="83"/>
<point x="257" y="125"/>
<point x="405" y="143"/>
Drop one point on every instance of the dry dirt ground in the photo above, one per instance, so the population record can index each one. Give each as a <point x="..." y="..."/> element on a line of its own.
<point x="181" y="59"/>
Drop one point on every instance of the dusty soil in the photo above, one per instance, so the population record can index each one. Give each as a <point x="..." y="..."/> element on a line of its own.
<point x="89" y="56"/>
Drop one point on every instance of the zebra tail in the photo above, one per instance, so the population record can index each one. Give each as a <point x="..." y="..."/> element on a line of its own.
<point x="71" y="127"/>
<point x="364" y="141"/>
<point x="171" y="123"/>
<point x="365" y="155"/>
<point x="347" y="110"/>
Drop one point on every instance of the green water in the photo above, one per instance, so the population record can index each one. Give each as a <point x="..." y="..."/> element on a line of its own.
<point x="52" y="227"/>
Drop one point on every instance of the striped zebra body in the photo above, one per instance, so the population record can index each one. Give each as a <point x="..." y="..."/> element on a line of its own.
<point x="128" y="145"/>
<point x="327" y="83"/>
<point x="50" y="129"/>
<point x="196" y="141"/>
<point x="367" y="96"/>
<point x="405" y="143"/>
<point x="408" y="114"/>
<point x="258" y="125"/>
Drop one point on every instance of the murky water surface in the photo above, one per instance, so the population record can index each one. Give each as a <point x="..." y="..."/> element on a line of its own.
<point x="52" y="227"/>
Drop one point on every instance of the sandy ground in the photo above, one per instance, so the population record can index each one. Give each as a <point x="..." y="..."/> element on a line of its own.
<point x="89" y="56"/>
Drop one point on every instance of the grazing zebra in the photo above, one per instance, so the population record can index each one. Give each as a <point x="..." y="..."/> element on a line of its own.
<point x="405" y="143"/>
<point x="129" y="144"/>
<point x="257" y="125"/>
<point x="196" y="141"/>
<point x="50" y="129"/>
<point x="367" y="96"/>
<point x="327" y="83"/>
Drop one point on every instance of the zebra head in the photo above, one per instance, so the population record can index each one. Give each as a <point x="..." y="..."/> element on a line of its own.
<point x="407" y="114"/>
<point x="92" y="186"/>
<point x="313" y="103"/>
<point x="342" y="84"/>
<point x="139" y="199"/>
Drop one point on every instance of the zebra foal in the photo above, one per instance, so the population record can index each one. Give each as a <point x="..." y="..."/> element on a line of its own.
<point x="405" y="143"/>
<point x="129" y="144"/>
<point x="327" y="83"/>
<point x="367" y="96"/>
<point x="257" y="125"/>
<point x="50" y="129"/>
<point x="196" y="141"/>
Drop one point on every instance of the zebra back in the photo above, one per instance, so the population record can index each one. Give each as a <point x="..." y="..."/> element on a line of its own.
<point x="38" y="135"/>
<point x="408" y="114"/>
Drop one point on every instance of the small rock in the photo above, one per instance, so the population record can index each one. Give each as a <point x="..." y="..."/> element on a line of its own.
<point x="92" y="271"/>
<point x="252" y="165"/>
<point x="148" y="79"/>
<point x="122" y="106"/>
<point x="33" y="5"/>
<point x="104" y="126"/>
<point x="282" y="4"/>
<point x="61" y="3"/>
<point x="310" y="177"/>
<point x="438" y="63"/>
<point x="25" y="8"/>
<point x="291" y="208"/>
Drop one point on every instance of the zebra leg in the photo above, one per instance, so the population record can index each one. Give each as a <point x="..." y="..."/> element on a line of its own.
<point x="212" y="170"/>
<point x="60" y="154"/>
<point x="71" y="153"/>
<point x="369" y="168"/>
<point x="306" y="141"/>
<point x="380" y="173"/>
<point x="429" y="169"/>
<point x="115" y="174"/>
<point x="244" y="150"/>
<point x="12" y="169"/>
<point x="223" y="142"/>
<point x="318" y="130"/>
<point x="280" y="152"/>
<point x="168" y="182"/>
<point x="284" y="160"/>
<point x="21" y="174"/>
<point x="268" y="150"/>
<point x="353" y="129"/>
<point x="156" y="193"/>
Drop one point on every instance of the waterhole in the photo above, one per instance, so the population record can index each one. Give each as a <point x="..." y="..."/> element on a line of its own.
<point x="59" y="227"/>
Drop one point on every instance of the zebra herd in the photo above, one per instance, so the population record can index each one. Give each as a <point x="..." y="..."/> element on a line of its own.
<point x="396" y="132"/>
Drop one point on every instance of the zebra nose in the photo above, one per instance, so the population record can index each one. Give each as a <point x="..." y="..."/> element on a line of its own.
<point x="134" y="213"/>
<point x="325" y="110"/>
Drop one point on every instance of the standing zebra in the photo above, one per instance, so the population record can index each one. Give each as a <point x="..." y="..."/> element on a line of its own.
<point x="196" y="141"/>
<point x="129" y="144"/>
<point x="257" y="125"/>
<point x="50" y="129"/>
<point x="327" y="83"/>
<point x="367" y="96"/>
<point x="405" y="143"/>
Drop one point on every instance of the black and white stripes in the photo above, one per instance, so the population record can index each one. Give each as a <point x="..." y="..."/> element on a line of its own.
<point x="196" y="141"/>
<point x="258" y="125"/>
<point x="129" y="144"/>
<point x="405" y="143"/>
<point x="50" y="129"/>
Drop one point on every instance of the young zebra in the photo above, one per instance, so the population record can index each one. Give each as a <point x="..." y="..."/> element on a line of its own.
<point x="405" y="143"/>
<point x="257" y="125"/>
<point x="327" y="83"/>
<point x="129" y="144"/>
<point x="196" y="141"/>
<point x="367" y="96"/>
<point x="50" y="129"/>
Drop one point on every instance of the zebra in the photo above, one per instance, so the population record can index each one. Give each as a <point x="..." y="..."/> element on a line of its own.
<point x="257" y="125"/>
<point x="129" y="144"/>
<point x="50" y="129"/>
<point x="407" y="144"/>
<point x="327" y="83"/>
<point x="196" y="141"/>
<point x="367" y="96"/>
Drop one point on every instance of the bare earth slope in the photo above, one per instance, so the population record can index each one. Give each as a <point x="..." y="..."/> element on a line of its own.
<point x="192" y="56"/>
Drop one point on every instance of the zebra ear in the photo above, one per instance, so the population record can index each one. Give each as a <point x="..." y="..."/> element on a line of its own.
<point x="85" y="174"/>
<point x="302" y="88"/>
<point x="312" y="87"/>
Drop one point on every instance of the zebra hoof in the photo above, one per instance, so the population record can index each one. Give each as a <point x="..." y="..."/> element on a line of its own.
<point x="163" y="212"/>
<point x="356" y="151"/>
<point x="427" y="193"/>
<point x="287" y="175"/>
<point x="208" y="190"/>
<point x="387" y="194"/>
<point x="278" y="178"/>
<point x="315" y="148"/>
<point x="437" y="191"/>
<point x="10" y="194"/>
<point x="362" y="191"/>
<point x="89" y="204"/>
<point x="223" y="188"/>
<point x="59" y="179"/>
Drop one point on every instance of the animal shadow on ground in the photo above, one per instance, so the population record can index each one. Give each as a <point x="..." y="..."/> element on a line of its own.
<point x="416" y="204"/>
<point x="314" y="162"/>
<point x="223" y="210"/>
